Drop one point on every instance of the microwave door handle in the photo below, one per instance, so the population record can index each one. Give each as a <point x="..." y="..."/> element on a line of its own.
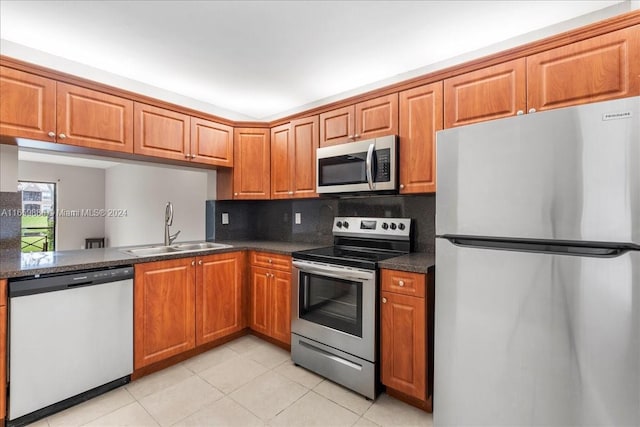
<point x="369" y="165"/>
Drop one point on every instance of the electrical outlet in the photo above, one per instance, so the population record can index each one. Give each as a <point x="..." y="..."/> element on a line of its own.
<point x="298" y="219"/>
<point x="225" y="218"/>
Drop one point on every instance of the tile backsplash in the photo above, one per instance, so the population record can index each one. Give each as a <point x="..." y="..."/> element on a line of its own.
<point x="10" y="223"/>
<point x="275" y="219"/>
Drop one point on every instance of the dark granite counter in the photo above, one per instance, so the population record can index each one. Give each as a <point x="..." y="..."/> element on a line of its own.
<point x="417" y="262"/>
<point x="29" y="264"/>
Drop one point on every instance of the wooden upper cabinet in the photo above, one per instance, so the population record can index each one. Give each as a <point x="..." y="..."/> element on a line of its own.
<point x="486" y="94"/>
<point x="219" y="296"/>
<point x="420" y="119"/>
<point x="281" y="163"/>
<point x="305" y="141"/>
<point x="293" y="159"/>
<point x="27" y="105"/>
<point x="211" y="143"/>
<point x="92" y="119"/>
<point x="251" y="168"/>
<point x="597" y="69"/>
<point x="164" y="309"/>
<point x="161" y="133"/>
<point x="368" y="119"/>
<point x="377" y="117"/>
<point x="337" y="126"/>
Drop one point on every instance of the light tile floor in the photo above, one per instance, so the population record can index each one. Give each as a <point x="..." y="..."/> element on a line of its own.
<point x="247" y="382"/>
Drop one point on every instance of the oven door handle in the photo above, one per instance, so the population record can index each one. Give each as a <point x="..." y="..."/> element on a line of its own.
<point x="369" y="165"/>
<point x="336" y="272"/>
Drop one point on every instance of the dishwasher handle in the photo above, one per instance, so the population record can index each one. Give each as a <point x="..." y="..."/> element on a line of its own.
<point x="64" y="281"/>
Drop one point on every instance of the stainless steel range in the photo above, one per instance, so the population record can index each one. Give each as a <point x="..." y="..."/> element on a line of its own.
<point x="335" y="314"/>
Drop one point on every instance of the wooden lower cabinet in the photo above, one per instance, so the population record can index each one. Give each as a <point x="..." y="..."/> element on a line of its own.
<point x="164" y="309"/>
<point x="405" y="330"/>
<point x="219" y="296"/>
<point x="183" y="303"/>
<point x="270" y="312"/>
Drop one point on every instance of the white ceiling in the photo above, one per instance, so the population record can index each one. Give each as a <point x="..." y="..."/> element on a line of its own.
<point x="266" y="59"/>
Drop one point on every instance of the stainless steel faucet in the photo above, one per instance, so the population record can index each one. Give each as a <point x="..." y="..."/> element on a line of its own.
<point x="168" y="220"/>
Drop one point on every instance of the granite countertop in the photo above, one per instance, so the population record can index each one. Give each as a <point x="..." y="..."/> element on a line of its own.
<point x="29" y="264"/>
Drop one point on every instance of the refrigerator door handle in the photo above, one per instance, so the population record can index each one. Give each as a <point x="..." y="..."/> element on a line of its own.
<point x="591" y="249"/>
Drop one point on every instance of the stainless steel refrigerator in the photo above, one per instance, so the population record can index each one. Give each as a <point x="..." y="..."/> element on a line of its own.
<point x="537" y="300"/>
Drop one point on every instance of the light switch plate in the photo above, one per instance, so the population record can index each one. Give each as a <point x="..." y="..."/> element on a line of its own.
<point x="225" y="218"/>
<point x="298" y="219"/>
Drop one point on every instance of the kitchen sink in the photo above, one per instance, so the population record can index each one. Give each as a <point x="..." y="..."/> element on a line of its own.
<point x="177" y="248"/>
<point x="199" y="246"/>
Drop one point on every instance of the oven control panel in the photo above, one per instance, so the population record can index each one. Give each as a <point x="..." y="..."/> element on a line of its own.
<point x="372" y="227"/>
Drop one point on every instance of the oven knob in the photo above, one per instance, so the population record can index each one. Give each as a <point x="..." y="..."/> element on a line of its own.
<point x="401" y="226"/>
<point x="339" y="224"/>
<point x="346" y="224"/>
<point x="393" y="225"/>
<point x="385" y="225"/>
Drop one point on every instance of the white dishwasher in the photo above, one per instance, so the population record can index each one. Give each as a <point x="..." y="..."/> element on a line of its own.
<point x="70" y="339"/>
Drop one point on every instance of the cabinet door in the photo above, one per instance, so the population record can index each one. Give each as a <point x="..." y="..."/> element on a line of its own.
<point x="305" y="141"/>
<point x="27" y="105"/>
<point x="281" y="306"/>
<point x="161" y="133"/>
<point x="420" y="119"/>
<point x="251" y="169"/>
<point x="92" y="119"/>
<point x="337" y="126"/>
<point x="403" y="344"/>
<point x="377" y="117"/>
<point x="486" y="94"/>
<point x="260" y="300"/>
<point x="596" y="69"/>
<point x="281" y="163"/>
<point x="164" y="307"/>
<point x="211" y="142"/>
<point x="218" y="296"/>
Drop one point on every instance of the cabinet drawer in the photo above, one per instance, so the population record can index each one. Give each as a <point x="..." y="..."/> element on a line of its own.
<point x="269" y="260"/>
<point x="402" y="282"/>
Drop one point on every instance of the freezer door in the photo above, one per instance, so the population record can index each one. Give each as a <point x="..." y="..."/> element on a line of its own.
<point x="533" y="339"/>
<point x="568" y="174"/>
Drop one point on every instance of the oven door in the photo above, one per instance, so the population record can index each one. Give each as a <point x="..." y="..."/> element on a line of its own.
<point x="336" y="306"/>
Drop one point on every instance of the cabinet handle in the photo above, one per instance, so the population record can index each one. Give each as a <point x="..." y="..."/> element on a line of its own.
<point x="51" y="134"/>
<point x="290" y="192"/>
<point x="401" y="283"/>
<point x="62" y="136"/>
<point x="235" y="194"/>
<point x="193" y="263"/>
<point x="384" y="300"/>
<point x="356" y="136"/>
<point x="186" y="156"/>
<point x="200" y="262"/>
<point x="270" y="260"/>
<point x="519" y="113"/>
<point x="193" y="156"/>
<point x="402" y="186"/>
<point x="532" y="110"/>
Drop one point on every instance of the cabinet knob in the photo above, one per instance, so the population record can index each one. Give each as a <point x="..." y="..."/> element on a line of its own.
<point x="532" y="110"/>
<point x="356" y="136"/>
<point x="200" y="262"/>
<point x="401" y="283"/>
<point x="52" y="134"/>
<point x="235" y="194"/>
<point x="270" y="260"/>
<point x="519" y="113"/>
<point x="62" y="136"/>
<point x="384" y="300"/>
<point x="187" y="156"/>
<point x="193" y="156"/>
<point x="193" y="262"/>
<point x="290" y="192"/>
<point x="402" y="186"/>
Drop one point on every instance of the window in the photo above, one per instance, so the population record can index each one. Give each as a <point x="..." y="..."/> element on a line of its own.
<point x="38" y="229"/>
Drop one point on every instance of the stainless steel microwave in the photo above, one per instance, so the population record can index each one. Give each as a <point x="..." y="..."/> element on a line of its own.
<point x="361" y="166"/>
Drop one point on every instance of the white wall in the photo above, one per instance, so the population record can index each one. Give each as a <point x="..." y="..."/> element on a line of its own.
<point x="144" y="191"/>
<point x="8" y="168"/>
<point x="77" y="188"/>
